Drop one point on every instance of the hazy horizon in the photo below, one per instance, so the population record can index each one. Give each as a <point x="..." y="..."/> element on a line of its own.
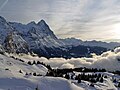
<point x="87" y="20"/>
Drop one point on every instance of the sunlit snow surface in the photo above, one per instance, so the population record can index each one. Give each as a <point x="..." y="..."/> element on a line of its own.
<point x="11" y="79"/>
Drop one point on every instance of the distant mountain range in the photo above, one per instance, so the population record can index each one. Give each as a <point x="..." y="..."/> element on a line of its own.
<point x="40" y="39"/>
<point x="77" y="42"/>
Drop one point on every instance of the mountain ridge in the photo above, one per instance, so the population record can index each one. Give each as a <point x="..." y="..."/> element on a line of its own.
<point x="40" y="39"/>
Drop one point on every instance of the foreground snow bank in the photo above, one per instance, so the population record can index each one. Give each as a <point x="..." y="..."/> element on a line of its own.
<point x="43" y="83"/>
<point x="51" y="83"/>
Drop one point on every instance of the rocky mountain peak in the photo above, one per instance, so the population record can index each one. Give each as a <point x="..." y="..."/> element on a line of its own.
<point x="32" y="23"/>
<point x="42" y="22"/>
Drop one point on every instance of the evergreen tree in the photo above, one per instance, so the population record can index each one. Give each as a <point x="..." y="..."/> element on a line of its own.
<point x="105" y="76"/>
<point x="79" y="80"/>
<point x="50" y="73"/>
<point x="49" y="67"/>
<point x="34" y="62"/>
<point x="26" y="73"/>
<point x="97" y="79"/>
<point x="34" y="74"/>
<point x="92" y="85"/>
<point x="67" y="76"/>
<point x="114" y="80"/>
<point x="101" y="79"/>
<point x="38" y="62"/>
<point x="20" y="71"/>
<point x="29" y="63"/>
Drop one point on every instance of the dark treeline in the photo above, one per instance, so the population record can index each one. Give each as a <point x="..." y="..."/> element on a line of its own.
<point x="116" y="72"/>
<point x="81" y="69"/>
<point x="86" y="74"/>
<point x="38" y="62"/>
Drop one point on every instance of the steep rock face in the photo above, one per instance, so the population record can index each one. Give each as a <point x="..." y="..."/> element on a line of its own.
<point x="5" y="28"/>
<point x="14" y="43"/>
<point x="41" y="35"/>
<point x="40" y="38"/>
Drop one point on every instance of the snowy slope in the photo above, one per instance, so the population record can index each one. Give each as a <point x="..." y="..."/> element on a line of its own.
<point x="14" y="65"/>
<point x="43" y="83"/>
<point x="12" y="79"/>
<point x="51" y="83"/>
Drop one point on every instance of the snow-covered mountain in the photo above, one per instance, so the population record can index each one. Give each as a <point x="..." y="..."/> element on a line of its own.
<point x="77" y="42"/>
<point x="40" y="39"/>
<point x="38" y="34"/>
<point x="36" y="37"/>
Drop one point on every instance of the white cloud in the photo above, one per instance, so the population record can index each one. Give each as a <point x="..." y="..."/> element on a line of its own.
<point x="67" y="65"/>
<point x="109" y="60"/>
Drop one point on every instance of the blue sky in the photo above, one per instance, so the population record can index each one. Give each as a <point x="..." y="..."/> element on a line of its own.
<point x="84" y="19"/>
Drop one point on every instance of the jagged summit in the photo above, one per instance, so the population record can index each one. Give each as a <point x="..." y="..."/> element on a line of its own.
<point x="42" y="22"/>
<point x="43" y="26"/>
<point x="32" y="23"/>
